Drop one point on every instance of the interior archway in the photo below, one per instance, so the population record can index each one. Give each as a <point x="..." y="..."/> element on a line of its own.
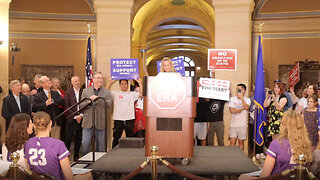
<point x="173" y="30"/>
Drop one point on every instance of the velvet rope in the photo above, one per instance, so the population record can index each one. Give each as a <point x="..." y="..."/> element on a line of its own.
<point x="135" y="172"/>
<point x="181" y="172"/>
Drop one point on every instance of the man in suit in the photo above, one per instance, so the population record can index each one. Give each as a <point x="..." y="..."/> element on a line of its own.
<point x="71" y="97"/>
<point x="25" y="90"/>
<point x="48" y="101"/>
<point x="37" y="85"/>
<point x="14" y="103"/>
<point x="94" y="92"/>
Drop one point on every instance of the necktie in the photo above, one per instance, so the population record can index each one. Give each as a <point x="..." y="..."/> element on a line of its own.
<point x="18" y="102"/>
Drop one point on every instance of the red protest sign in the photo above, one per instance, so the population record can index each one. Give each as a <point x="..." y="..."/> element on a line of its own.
<point x="222" y="59"/>
<point x="294" y="75"/>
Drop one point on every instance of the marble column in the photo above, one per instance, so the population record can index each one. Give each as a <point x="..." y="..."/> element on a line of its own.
<point x="4" y="57"/>
<point x="113" y="40"/>
<point x="113" y="32"/>
<point x="233" y="27"/>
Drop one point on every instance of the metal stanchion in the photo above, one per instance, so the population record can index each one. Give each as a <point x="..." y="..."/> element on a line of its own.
<point x="15" y="158"/>
<point x="154" y="151"/>
<point x="301" y="169"/>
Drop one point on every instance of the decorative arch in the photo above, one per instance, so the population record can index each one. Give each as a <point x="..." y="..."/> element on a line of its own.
<point x="154" y="13"/>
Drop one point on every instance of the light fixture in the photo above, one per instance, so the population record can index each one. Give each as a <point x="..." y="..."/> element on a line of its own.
<point x="198" y="68"/>
<point x="1" y="42"/>
<point x="178" y="2"/>
<point x="14" y="47"/>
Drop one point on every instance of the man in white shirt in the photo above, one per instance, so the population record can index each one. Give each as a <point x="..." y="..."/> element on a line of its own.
<point x="239" y="106"/>
<point x="123" y="113"/>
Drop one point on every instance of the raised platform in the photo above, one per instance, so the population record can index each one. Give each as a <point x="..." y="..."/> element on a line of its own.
<point x="207" y="160"/>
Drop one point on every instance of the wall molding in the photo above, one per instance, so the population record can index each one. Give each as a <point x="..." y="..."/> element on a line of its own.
<point x="50" y="36"/>
<point x="34" y="15"/>
<point x="289" y="35"/>
<point x="257" y="15"/>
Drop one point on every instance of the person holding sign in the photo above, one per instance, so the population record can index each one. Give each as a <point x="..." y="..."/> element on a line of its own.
<point x="124" y="112"/>
<point x="239" y="106"/>
<point x="167" y="65"/>
<point x="215" y="108"/>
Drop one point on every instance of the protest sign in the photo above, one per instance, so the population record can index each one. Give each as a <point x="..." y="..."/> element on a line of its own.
<point x="214" y="89"/>
<point x="222" y="59"/>
<point x="124" y="69"/>
<point x="294" y="75"/>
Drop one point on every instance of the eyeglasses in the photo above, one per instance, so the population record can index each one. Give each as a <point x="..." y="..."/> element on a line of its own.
<point x="46" y="81"/>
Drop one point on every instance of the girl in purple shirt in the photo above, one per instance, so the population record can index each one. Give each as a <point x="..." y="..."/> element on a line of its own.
<point x="45" y="154"/>
<point x="293" y="141"/>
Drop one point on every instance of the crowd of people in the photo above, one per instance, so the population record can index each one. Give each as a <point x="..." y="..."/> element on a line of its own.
<point x="25" y="109"/>
<point x="47" y="148"/>
<point x="292" y="128"/>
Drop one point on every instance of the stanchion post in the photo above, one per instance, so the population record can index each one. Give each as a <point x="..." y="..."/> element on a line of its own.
<point x="301" y="161"/>
<point x="154" y="152"/>
<point x="15" y="158"/>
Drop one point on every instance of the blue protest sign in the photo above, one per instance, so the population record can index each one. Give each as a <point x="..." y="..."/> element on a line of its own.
<point x="178" y="65"/>
<point x="124" y="68"/>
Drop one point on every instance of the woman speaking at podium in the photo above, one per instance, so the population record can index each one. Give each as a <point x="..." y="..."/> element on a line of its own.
<point x="167" y="65"/>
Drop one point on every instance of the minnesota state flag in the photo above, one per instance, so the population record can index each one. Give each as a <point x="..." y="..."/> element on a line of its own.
<point x="259" y="96"/>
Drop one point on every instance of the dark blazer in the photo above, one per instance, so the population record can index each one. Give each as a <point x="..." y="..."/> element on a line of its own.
<point x="38" y="89"/>
<point x="39" y="104"/>
<point x="100" y="108"/>
<point x="10" y="107"/>
<point x="69" y="100"/>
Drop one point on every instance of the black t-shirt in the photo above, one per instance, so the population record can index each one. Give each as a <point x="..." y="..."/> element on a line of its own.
<point x="215" y="112"/>
<point x="210" y="111"/>
<point x="201" y="111"/>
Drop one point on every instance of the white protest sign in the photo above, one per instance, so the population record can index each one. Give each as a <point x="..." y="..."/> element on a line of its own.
<point x="214" y="89"/>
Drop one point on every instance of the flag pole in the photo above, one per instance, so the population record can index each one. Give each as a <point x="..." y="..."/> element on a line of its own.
<point x="89" y="59"/>
<point x="254" y="159"/>
<point x="89" y="29"/>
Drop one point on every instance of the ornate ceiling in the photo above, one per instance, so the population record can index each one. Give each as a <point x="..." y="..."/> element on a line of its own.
<point x="174" y="27"/>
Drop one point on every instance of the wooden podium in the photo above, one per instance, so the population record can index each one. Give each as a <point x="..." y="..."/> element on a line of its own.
<point x="169" y="107"/>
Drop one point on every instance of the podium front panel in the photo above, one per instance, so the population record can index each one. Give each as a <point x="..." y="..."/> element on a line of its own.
<point x="169" y="107"/>
<point x="170" y="143"/>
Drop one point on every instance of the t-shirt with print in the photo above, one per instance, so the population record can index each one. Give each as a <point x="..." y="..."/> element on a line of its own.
<point x="215" y="111"/>
<point x="281" y="153"/>
<point x="239" y="119"/>
<point x="44" y="155"/>
<point x="124" y="105"/>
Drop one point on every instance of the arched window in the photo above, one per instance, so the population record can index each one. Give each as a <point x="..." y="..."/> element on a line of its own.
<point x="188" y="64"/>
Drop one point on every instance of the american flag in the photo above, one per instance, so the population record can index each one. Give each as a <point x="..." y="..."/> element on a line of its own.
<point x="89" y="72"/>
